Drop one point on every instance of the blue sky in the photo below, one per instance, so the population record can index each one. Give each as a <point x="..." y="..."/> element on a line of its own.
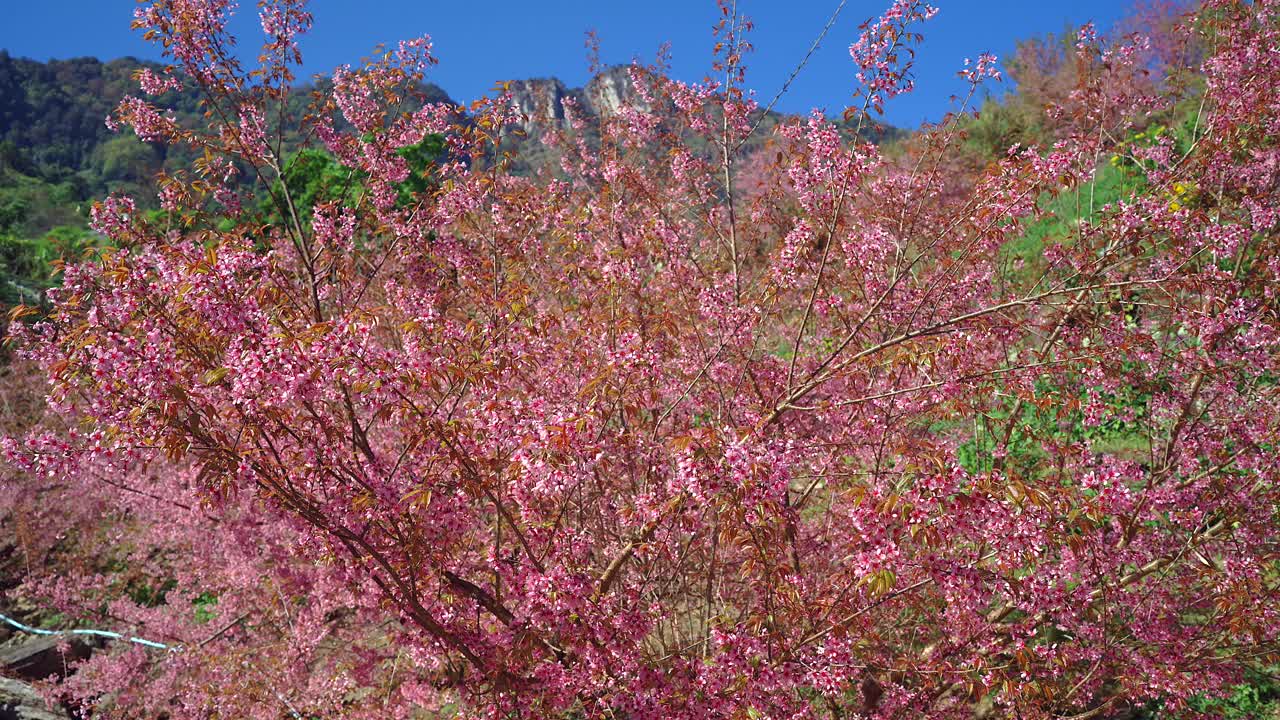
<point x="480" y="43"/>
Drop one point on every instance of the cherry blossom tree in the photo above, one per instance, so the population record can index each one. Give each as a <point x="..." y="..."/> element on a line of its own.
<point x="625" y="439"/>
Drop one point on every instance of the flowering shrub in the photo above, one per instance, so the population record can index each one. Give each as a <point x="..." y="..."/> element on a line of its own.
<point x="629" y="439"/>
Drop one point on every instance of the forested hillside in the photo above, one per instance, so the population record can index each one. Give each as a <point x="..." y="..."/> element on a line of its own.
<point x="58" y="155"/>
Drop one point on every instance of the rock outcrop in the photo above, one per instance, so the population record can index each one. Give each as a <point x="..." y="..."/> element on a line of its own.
<point x="542" y="100"/>
<point x="612" y="90"/>
<point x="38" y="657"/>
<point x="20" y="701"/>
